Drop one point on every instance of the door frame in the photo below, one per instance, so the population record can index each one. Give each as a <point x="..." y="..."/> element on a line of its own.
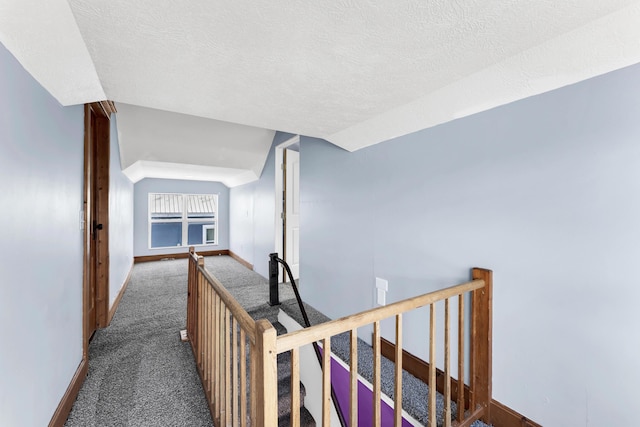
<point x="291" y="221"/>
<point x="279" y="195"/>
<point x="96" y="210"/>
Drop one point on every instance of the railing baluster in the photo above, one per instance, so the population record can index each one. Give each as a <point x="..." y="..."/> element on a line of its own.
<point x="326" y="382"/>
<point x="219" y="360"/>
<point x="203" y="304"/>
<point x="199" y="320"/>
<point x="295" y="387"/>
<point x="447" y="367"/>
<point x="227" y="366"/>
<point x="461" y="407"/>
<point x="189" y="296"/>
<point x="376" y="374"/>
<point x="217" y="398"/>
<point x="210" y="338"/>
<point x="234" y="370"/>
<point x="253" y="384"/>
<point x="398" y="386"/>
<point x="243" y="379"/>
<point x="206" y="374"/>
<point x="431" y="409"/>
<point x="353" y="404"/>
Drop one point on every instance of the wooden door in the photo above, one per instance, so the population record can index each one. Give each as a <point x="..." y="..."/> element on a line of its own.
<point x="292" y="212"/>
<point x="90" y="215"/>
<point x="96" y="220"/>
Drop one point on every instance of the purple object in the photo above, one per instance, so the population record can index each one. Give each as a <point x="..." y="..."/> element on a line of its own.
<point x="341" y="380"/>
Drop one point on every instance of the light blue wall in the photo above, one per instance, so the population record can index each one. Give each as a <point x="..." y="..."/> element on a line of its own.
<point x="544" y="191"/>
<point x="141" y="211"/>
<point x="252" y="228"/>
<point x="41" y="170"/>
<point x="120" y="218"/>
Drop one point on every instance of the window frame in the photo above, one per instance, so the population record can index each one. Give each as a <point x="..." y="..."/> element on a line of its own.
<point x="204" y="233"/>
<point x="184" y="220"/>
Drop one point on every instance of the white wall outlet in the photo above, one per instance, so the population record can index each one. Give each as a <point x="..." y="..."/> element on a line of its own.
<point x="382" y="286"/>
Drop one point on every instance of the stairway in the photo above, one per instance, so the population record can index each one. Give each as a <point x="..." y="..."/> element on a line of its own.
<point x="412" y="386"/>
<point x="284" y="391"/>
<point x="284" y="374"/>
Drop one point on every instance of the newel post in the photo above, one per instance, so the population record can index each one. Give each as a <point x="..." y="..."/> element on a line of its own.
<point x="481" y="341"/>
<point x="274" y="298"/>
<point x="200" y="312"/>
<point x="192" y="300"/>
<point x="266" y="379"/>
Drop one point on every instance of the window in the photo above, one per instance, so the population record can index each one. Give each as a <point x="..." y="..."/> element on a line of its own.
<point x="182" y="220"/>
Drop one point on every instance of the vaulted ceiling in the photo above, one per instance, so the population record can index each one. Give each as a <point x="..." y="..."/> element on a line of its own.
<point x="202" y="85"/>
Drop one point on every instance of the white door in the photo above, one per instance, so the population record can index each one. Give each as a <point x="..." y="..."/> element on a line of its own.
<point x="292" y="214"/>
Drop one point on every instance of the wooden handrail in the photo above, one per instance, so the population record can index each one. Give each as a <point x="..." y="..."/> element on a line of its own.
<point x="219" y="327"/>
<point x="334" y="327"/>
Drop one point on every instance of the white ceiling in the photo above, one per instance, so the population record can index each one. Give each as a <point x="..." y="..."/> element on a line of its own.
<point x="161" y="144"/>
<point x="354" y="73"/>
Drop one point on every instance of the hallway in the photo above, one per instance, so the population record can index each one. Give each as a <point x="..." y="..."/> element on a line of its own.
<point x="140" y="373"/>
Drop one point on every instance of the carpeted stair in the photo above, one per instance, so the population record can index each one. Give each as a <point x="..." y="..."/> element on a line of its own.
<point x="284" y="374"/>
<point x="284" y="393"/>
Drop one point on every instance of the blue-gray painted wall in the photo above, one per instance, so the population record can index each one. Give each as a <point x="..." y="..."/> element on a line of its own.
<point x="544" y="191"/>
<point x="41" y="170"/>
<point x="252" y="229"/>
<point x="120" y="218"/>
<point x="141" y="212"/>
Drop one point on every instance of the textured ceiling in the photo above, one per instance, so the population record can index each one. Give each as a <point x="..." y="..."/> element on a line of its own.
<point x="44" y="37"/>
<point x="354" y="73"/>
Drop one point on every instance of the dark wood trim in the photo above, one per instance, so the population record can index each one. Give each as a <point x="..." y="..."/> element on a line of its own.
<point x="116" y="302"/>
<point x="87" y="328"/>
<point x="64" y="407"/>
<point x="108" y="108"/>
<point x="103" y="129"/>
<point x="240" y="260"/>
<point x="501" y="415"/>
<point x="181" y="255"/>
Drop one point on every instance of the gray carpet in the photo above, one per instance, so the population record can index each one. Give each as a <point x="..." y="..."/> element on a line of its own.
<point x="140" y="374"/>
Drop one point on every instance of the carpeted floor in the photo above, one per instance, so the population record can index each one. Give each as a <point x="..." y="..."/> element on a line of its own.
<point x="141" y="374"/>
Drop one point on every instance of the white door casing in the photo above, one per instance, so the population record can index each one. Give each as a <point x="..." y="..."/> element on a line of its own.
<point x="292" y="214"/>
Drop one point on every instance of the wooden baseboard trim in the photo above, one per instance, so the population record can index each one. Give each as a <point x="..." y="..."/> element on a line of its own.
<point x="116" y="302"/>
<point x="64" y="407"/>
<point x="420" y="369"/>
<point x="240" y="260"/>
<point x="162" y="257"/>
<point x="501" y="415"/>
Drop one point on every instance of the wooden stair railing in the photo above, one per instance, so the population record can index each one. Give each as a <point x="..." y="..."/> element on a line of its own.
<point x="218" y="329"/>
<point x="224" y="340"/>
